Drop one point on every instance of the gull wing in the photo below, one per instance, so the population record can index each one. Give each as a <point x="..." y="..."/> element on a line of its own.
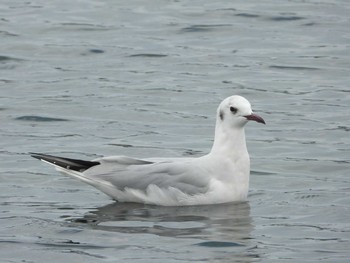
<point x="154" y="181"/>
<point x="129" y="173"/>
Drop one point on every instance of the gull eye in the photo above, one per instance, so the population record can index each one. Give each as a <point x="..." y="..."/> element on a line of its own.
<point x="233" y="110"/>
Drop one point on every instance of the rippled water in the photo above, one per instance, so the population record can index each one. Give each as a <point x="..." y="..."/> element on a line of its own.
<point x="144" y="78"/>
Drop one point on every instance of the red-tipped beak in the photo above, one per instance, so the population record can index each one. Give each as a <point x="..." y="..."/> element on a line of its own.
<point x="255" y="117"/>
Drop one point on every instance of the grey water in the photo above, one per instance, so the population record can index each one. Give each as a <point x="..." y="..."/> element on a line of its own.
<point x="90" y="78"/>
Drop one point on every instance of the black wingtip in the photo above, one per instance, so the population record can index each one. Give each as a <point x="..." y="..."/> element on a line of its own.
<point x="67" y="163"/>
<point x="36" y="155"/>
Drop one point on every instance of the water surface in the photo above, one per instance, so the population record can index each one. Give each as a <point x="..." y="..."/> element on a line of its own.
<point x="90" y="78"/>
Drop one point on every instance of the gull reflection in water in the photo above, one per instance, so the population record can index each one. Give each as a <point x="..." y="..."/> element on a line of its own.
<point x="217" y="225"/>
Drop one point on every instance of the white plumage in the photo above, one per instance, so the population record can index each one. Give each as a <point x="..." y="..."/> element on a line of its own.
<point x="221" y="176"/>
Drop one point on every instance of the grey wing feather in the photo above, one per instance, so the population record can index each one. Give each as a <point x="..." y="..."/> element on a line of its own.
<point x="125" y="172"/>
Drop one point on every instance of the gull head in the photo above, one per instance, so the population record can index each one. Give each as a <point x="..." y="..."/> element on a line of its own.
<point x="236" y="111"/>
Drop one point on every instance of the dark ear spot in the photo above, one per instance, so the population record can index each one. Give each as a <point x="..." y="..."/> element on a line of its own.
<point x="222" y="114"/>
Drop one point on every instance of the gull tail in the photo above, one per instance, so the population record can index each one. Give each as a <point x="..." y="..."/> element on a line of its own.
<point x="66" y="163"/>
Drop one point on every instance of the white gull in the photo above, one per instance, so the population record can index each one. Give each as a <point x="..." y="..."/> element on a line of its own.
<point x="221" y="176"/>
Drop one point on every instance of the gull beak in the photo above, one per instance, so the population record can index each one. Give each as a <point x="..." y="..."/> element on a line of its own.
<point x="255" y="117"/>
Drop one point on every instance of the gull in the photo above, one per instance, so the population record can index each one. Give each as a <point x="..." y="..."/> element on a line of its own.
<point x="221" y="176"/>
